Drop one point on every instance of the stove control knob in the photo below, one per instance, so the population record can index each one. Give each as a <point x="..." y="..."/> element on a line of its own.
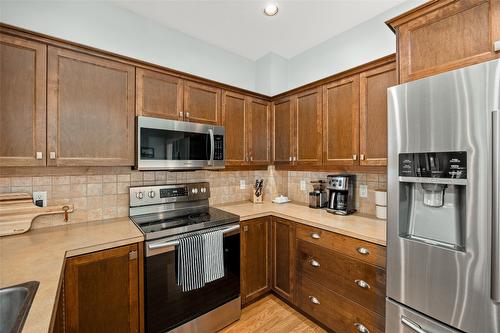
<point x="194" y="190"/>
<point x="203" y="190"/>
<point x="139" y="195"/>
<point x="151" y="194"/>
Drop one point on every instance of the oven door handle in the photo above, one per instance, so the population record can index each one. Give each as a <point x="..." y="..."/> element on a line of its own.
<point x="212" y="148"/>
<point x="176" y="242"/>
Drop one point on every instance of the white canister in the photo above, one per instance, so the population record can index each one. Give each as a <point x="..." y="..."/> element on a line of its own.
<point x="381" y="197"/>
<point x="381" y="212"/>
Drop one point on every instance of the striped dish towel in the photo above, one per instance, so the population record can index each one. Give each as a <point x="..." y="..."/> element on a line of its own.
<point x="190" y="263"/>
<point x="213" y="255"/>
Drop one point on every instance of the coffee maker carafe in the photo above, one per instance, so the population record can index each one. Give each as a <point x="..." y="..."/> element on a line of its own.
<point x="341" y="194"/>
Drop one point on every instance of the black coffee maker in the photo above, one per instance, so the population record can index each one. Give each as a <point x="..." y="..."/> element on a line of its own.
<point x="341" y="194"/>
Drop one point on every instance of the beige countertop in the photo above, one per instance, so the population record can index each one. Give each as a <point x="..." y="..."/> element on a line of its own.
<point x="356" y="225"/>
<point x="38" y="255"/>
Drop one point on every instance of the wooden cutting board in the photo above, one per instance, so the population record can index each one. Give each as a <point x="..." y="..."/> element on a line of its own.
<point x="17" y="212"/>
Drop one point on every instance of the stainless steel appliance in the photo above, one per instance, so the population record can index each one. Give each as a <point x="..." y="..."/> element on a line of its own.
<point x="164" y="144"/>
<point x="318" y="198"/>
<point x="166" y="213"/>
<point x="341" y="194"/>
<point x="443" y="257"/>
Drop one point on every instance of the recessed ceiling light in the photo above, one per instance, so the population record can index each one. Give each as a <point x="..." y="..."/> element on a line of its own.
<point x="271" y="9"/>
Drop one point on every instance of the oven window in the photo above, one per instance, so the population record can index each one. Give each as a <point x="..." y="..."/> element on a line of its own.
<point x="157" y="144"/>
<point x="167" y="307"/>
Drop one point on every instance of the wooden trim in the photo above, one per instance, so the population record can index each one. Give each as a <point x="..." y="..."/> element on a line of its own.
<point x="416" y="12"/>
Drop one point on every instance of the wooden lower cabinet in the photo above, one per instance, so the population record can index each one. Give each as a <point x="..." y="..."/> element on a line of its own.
<point x="283" y="257"/>
<point x="101" y="291"/>
<point x="255" y="258"/>
<point x="336" y="311"/>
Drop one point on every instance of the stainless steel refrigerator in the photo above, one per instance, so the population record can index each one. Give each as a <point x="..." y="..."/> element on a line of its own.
<point x="443" y="234"/>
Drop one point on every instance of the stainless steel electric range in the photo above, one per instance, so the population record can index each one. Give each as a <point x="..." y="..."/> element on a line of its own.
<point x="166" y="213"/>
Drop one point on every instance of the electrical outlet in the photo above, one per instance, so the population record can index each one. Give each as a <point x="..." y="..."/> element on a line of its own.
<point x="302" y="185"/>
<point x="242" y="184"/>
<point x="363" y="191"/>
<point x="40" y="199"/>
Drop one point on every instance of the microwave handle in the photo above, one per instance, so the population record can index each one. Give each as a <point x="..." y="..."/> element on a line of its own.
<point x="212" y="148"/>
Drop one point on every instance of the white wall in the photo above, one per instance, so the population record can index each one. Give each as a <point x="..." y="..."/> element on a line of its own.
<point x="366" y="42"/>
<point x="271" y="74"/>
<point x="103" y="25"/>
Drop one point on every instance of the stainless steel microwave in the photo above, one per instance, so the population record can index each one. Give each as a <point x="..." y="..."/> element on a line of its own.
<point x="176" y="145"/>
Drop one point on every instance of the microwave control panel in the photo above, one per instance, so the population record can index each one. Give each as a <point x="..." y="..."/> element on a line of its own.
<point x="218" y="147"/>
<point x="434" y="165"/>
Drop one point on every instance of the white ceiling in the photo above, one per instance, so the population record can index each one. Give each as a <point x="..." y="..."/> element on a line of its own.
<point x="241" y="27"/>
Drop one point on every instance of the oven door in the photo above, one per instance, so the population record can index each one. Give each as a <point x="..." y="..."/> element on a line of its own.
<point x="167" y="306"/>
<point x="172" y="145"/>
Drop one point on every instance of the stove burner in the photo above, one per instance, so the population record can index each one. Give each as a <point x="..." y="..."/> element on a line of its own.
<point x="198" y="218"/>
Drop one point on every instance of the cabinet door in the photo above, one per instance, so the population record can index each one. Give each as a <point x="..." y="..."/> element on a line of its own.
<point x="259" y="132"/>
<point x="234" y="119"/>
<point x="308" y="131"/>
<point x="283" y="257"/>
<point x="341" y="122"/>
<point x="101" y="291"/>
<point x="373" y="114"/>
<point x="255" y="263"/>
<point x="158" y="95"/>
<point x="202" y="103"/>
<point x="22" y="102"/>
<point x="90" y="119"/>
<point x="283" y="120"/>
<point x="445" y="35"/>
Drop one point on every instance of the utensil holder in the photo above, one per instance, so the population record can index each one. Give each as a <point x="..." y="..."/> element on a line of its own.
<point x="257" y="199"/>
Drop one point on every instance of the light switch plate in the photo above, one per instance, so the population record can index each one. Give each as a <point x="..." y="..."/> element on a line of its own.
<point x="242" y="184"/>
<point x="363" y="191"/>
<point x="40" y="199"/>
<point x="302" y="185"/>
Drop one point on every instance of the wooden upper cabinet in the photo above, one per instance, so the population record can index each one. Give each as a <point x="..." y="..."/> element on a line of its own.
<point x="283" y="257"/>
<point x="202" y="103"/>
<point x="259" y="132"/>
<point x="308" y="132"/>
<point x="234" y="119"/>
<point x="158" y="95"/>
<point x="101" y="291"/>
<point x="283" y="124"/>
<point x="373" y="114"/>
<point x="22" y="102"/>
<point x="444" y="35"/>
<point x="90" y="110"/>
<point x="255" y="258"/>
<point x="341" y="122"/>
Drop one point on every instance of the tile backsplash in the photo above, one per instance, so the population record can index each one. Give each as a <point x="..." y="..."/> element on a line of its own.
<point x="105" y="195"/>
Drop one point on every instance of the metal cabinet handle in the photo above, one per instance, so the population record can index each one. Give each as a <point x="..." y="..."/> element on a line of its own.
<point x="314" y="300"/>
<point x="290" y="158"/>
<point x="361" y="328"/>
<point x="181" y="114"/>
<point x="362" y="157"/>
<point x="39" y="155"/>
<point x="132" y="255"/>
<point x="413" y="325"/>
<point x="295" y="158"/>
<point x="315" y="235"/>
<point x="354" y="157"/>
<point x="496" y="46"/>
<point x="187" y="114"/>
<point x="363" y="250"/>
<point x="251" y="158"/>
<point x="52" y="155"/>
<point x="245" y="228"/>
<point x="362" y="284"/>
<point x="314" y="263"/>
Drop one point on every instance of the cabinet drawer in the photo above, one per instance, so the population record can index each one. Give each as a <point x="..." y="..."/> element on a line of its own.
<point x="335" y="311"/>
<point x="365" y="251"/>
<point x="356" y="280"/>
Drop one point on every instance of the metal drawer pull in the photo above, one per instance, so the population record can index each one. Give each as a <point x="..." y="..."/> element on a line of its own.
<point x="314" y="263"/>
<point x="314" y="300"/>
<point x="362" y="284"/>
<point x="362" y="328"/>
<point x="363" y="250"/>
<point x="315" y="235"/>
<point x="176" y="242"/>
<point x="413" y="325"/>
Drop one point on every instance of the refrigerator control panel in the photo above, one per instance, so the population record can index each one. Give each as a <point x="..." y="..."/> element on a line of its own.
<point x="451" y="164"/>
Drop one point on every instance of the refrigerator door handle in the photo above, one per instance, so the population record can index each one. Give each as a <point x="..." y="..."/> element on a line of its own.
<point x="495" y="214"/>
<point x="413" y="325"/>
